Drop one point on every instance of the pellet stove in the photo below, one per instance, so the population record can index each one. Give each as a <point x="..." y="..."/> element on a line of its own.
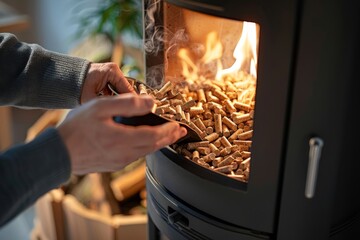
<point x="302" y="180"/>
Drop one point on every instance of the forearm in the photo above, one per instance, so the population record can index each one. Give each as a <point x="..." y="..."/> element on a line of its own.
<point x="31" y="76"/>
<point x="28" y="171"/>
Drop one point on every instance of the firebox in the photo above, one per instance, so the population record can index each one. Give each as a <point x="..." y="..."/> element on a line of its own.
<point x="275" y="94"/>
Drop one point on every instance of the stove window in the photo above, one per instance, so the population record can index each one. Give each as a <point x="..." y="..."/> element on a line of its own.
<point x="211" y="63"/>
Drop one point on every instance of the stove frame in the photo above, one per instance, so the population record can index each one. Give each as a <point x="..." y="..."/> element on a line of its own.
<point x="294" y="103"/>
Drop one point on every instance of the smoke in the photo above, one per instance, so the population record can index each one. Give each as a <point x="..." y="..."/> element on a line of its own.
<point x="155" y="76"/>
<point x="157" y="38"/>
<point x="154" y="35"/>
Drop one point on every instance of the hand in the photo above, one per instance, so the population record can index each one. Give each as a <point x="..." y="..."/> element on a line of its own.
<point x="98" y="144"/>
<point x="98" y="75"/>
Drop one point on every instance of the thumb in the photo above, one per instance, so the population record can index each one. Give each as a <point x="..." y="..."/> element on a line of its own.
<point x="125" y="105"/>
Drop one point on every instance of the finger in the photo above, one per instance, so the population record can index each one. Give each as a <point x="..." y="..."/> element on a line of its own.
<point x="123" y="86"/>
<point x="125" y="105"/>
<point x="153" y="137"/>
<point x="120" y="82"/>
<point x="171" y="137"/>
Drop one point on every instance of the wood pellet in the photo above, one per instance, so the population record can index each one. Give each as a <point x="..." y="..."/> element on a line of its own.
<point x="221" y="112"/>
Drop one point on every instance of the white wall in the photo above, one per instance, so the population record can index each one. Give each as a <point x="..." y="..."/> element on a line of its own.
<point x="52" y="22"/>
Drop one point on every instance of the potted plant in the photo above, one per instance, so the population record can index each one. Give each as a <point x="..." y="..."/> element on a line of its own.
<point x="119" y="23"/>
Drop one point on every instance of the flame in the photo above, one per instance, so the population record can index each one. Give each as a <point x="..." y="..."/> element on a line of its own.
<point x="189" y="69"/>
<point x="245" y="55"/>
<point x="213" y="48"/>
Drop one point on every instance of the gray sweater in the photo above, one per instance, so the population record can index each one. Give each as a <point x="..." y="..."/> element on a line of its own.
<point x="33" y="77"/>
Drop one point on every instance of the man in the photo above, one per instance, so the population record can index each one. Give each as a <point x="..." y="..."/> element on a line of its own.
<point x="87" y="141"/>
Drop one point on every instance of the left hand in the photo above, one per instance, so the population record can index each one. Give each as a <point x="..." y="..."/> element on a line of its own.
<point x="97" y="78"/>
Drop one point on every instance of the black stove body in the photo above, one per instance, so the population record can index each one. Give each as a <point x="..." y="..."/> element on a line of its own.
<point x="304" y="176"/>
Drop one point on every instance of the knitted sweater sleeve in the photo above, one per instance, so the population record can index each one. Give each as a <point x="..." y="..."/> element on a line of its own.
<point x="31" y="76"/>
<point x="27" y="171"/>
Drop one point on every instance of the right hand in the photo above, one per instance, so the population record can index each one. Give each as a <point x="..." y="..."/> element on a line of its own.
<point x="98" y="144"/>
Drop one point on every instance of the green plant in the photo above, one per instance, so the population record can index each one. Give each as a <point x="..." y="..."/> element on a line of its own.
<point x="115" y="19"/>
<point x="110" y="17"/>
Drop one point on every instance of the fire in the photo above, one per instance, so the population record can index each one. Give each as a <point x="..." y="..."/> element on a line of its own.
<point x="213" y="48"/>
<point x="189" y="69"/>
<point x="245" y="55"/>
<point x="217" y="98"/>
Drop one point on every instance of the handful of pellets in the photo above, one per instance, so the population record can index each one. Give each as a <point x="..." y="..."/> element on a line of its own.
<point x="221" y="112"/>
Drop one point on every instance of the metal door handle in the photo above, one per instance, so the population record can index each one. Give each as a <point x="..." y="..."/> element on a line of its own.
<point x="316" y="145"/>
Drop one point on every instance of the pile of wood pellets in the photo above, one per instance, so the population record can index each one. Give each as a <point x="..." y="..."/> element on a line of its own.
<point x="221" y="112"/>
